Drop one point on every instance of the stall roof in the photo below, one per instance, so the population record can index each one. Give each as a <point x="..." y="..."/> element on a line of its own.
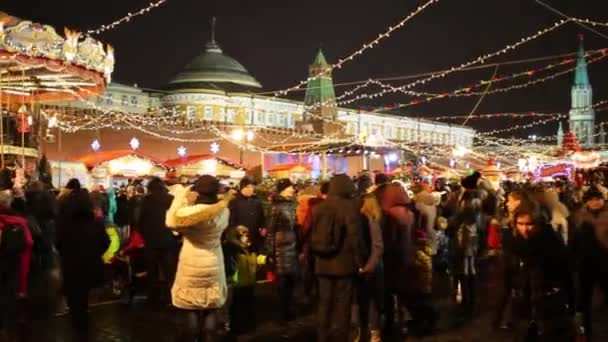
<point x="173" y="163"/>
<point x="95" y="158"/>
<point x="288" y="166"/>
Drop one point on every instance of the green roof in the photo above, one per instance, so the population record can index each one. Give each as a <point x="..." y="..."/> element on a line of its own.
<point x="581" y="76"/>
<point x="320" y="59"/>
<point x="321" y="88"/>
<point x="216" y="68"/>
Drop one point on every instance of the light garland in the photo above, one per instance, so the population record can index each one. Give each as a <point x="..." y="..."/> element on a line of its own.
<point x="479" y="59"/>
<point x="126" y="18"/>
<point x="365" y="47"/>
<point x="532" y="124"/>
<point x="466" y="91"/>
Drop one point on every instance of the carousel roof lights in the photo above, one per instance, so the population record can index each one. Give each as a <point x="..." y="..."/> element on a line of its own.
<point x="37" y="52"/>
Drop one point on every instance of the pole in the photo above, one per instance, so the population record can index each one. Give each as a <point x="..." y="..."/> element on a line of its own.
<point x="324" y="165"/>
<point x="59" y="170"/>
<point x="1" y="126"/>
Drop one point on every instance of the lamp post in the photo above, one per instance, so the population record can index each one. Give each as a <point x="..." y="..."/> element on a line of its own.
<point x="242" y="137"/>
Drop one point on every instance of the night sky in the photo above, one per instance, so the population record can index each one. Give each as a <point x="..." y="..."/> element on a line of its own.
<point x="276" y="40"/>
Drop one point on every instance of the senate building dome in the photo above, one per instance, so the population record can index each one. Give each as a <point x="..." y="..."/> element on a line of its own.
<point x="214" y="70"/>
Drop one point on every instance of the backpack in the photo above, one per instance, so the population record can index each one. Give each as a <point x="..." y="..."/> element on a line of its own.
<point x="326" y="239"/>
<point x="12" y="240"/>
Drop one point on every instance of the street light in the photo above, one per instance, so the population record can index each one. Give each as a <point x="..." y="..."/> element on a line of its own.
<point x="242" y="137"/>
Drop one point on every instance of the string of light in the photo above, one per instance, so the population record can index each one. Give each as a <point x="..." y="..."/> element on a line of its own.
<point x="126" y="18"/>
<point x="479" y="59"/>
<point x="483" y="58"/>
<point x="359" y="52"/>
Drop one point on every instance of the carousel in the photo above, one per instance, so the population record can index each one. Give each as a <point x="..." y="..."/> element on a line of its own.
<point x="39" y="66"/>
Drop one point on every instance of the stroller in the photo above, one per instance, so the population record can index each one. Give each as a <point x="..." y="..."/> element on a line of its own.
<point x="129" y="268"/>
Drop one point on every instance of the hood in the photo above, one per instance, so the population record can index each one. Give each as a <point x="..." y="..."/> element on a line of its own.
<point x="341" y="186"/>
<point x="550" y="200"/>
<point x="394" y="196"/>
<point x="195" y="214"/>
<point x="424" y="197"/>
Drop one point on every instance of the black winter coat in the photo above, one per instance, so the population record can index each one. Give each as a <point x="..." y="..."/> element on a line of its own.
<point x="152" y="212"/>
<point x="282" y="239"/>
<point x="248" y="212"/>
<point x="81" y="241"/>
<point x="340" y="209"/>
<point x="542" y="261"/>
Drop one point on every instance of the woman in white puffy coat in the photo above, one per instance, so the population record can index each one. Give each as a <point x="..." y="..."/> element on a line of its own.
<point x="200" y="283"/>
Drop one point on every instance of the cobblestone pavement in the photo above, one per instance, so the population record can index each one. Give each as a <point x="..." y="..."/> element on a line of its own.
<point x="116" y="322"/>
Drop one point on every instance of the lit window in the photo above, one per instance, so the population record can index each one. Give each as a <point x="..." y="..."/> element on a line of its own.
<point x="208" y="113"/>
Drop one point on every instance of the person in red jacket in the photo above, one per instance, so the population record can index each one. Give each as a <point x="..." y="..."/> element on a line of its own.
<point x="13" y="274"/>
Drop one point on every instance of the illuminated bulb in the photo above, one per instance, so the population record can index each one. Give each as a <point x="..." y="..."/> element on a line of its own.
<point x="30" y="120"/>
<point x="182" y="151"/>
<point x="53" y="122"/>
<point x="215" y="148"/>
<point x="95" y="145"/>
<point x="134" y="143"/>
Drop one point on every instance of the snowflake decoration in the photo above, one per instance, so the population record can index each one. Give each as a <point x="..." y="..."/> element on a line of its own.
<point x="182" y="151"/>
<point x="134" y="143"/>
<point x="95" y="145"/>
<point x="215" y="148"/>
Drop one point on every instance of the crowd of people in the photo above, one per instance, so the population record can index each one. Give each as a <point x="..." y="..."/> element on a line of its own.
<point x="363" y="251"/>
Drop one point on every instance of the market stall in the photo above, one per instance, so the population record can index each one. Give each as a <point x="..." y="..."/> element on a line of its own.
<point x="63" y="171"/>
<point x="190" y="167"/>
<point x="113" y="167"/>
<point x="293" y="171"/>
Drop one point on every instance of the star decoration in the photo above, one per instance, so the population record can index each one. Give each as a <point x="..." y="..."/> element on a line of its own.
<point x="182" y="151"/>
<point x="134" y="143"/>
<point x="95" y="145"/>
<point x="215" y="148"/>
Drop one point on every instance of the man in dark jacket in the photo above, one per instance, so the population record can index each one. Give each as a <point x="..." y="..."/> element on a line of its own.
<point x="246" y="210"/>
<point x="537" y="272"/>
<point x="591" y="247"/>
<point x="160" y="246"/>
<point x="337" y="217"/>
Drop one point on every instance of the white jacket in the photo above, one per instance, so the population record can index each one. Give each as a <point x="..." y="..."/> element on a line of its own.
<point x="200" y="282"/>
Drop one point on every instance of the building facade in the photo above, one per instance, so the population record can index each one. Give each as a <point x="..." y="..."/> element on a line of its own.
<point x="215" y="89"/>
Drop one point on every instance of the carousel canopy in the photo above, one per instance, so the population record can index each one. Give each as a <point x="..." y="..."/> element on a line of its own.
<point x="37" y="64"/>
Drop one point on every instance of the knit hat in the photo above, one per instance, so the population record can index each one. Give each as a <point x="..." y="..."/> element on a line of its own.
<point x="381" y="178"/>
<point x="283" y="184"/>
<point x="470" y="182"/>
<point x="592" y="194"/>
<point x="245" y="181"/>
<point x="207" y="188"/>
<point x="73" y="184"/>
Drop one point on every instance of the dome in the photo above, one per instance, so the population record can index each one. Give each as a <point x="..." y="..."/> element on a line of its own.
<point x="214" y="70"/>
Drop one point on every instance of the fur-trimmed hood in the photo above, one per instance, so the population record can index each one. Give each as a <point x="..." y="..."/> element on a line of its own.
<point x="558" y="211"/>
<point x="181" y="215"/>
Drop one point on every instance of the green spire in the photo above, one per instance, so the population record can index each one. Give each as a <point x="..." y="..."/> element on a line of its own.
<point x="320" y="59"/>
<point x="320" y="89"/>
<point x="581" y="77"/>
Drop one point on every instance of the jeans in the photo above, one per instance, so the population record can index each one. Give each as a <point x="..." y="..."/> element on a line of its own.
<point x="589" y="276"/>
<point x="157" y="261"/>
<point x="78" y="303"/>
<point x="242" y="309"/>
<point x="335" y="299"/>
<point x="199" y="322"/>
<point x="8" y="298"/>
<point x="286" y="284"/>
